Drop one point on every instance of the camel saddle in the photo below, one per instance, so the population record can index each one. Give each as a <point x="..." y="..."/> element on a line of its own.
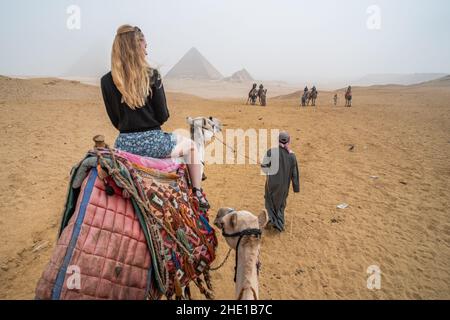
<point x="130" y="229"/>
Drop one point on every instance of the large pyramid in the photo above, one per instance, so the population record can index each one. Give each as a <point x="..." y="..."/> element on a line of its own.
<point x="194" y="66"/>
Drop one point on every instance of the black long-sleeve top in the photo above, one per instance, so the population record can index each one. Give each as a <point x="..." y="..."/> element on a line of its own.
<point x="149" y="117"/>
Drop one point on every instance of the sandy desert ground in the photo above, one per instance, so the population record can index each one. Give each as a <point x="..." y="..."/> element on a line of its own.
<point x="399" y="221"/>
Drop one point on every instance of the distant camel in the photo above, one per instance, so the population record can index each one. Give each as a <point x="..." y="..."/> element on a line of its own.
<point x="252" y="95"/>
<point x="348" y="97"/>
<point x="313" y="97"/>
<point x="305" y="98"/>
<point x="242" y="232"/>
<point x="262" y="97"/>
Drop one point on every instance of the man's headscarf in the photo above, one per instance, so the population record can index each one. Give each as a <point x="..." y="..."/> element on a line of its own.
<point x="285" y="140"/>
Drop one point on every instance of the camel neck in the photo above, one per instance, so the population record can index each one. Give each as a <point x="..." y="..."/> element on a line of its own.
<point x="247" y="273"/>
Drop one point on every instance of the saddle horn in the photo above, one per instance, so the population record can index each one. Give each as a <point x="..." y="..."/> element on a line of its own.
<point x="99" y="141"/>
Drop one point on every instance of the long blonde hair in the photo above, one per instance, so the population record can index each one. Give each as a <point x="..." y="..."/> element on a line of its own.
<point x="130" y="71"/>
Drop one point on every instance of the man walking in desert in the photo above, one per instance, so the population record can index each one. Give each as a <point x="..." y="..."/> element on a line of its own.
<point x="280" y="166"/>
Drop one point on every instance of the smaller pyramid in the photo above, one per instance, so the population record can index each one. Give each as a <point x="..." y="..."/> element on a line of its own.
<point x="240" y="76"/>
<point x="193" y="65"/>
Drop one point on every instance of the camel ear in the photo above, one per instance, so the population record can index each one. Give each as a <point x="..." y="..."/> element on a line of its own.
<point x="218" y="125"/>
<point x="220" y="214"/>
<point x="189" y="121"/>
<point x="263" y="218"/>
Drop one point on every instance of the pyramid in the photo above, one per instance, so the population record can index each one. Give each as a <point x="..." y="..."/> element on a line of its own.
<point x="240" y="76"/>
<point x="193" y="65"/>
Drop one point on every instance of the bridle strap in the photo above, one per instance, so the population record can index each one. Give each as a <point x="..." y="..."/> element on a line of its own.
<point x="246" y="232"/>
<point x="203" y="126"/>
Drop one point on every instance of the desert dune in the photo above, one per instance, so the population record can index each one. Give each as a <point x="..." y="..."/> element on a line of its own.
<point x="396" y="180"/>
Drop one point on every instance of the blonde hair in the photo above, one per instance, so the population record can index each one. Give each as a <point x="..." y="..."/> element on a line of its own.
<point x="130" y="71"/>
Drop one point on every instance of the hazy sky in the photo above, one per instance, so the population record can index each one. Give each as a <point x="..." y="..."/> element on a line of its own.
<point x="287" y="40"/>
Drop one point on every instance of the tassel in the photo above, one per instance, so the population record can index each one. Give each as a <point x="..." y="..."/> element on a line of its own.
<point x="109" y="190"/>
<point x="101" y="173"/>
<point x="208" y="294"/>
<point x="189" y="269"/>
<point x="188" y="292"/>
<point x="178" y="290"/>
<point x="208" y="282"/>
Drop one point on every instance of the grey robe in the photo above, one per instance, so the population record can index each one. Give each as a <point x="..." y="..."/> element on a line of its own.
<point x="278" y="183"/>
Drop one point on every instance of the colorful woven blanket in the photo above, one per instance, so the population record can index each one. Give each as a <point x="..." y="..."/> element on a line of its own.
<point x="132" y="230"/>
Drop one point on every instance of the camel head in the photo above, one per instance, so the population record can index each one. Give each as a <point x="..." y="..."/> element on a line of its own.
<point x="232" y="222"/>
<point x="203" y="129"/>
<point x="242" y="231"/>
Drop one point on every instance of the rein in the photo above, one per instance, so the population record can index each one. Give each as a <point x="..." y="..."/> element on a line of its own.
<point x="203" y="127"/>
<point x="235" y="151"/>
<point x="246" y="232"/>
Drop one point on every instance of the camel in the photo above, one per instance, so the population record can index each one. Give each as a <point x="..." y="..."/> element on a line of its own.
<point x="252" y="96"/>
<point x="262" y="97"/>
<point x="309" y="97"/>
<point x="306" y="98"/>
<point x="202" y="130"/>
<point x="242" y="232"/>
<point x="348" y="97"/>
<point x="312" y="98"/>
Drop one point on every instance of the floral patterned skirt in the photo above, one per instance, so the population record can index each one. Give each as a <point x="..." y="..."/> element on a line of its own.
<point x="153" y="143"/>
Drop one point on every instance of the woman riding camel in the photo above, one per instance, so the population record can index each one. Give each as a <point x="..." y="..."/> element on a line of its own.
<point x="136" y="105"/>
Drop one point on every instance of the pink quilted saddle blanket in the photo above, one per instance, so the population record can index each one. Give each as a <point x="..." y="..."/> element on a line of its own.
<point x="102" y="252"/>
